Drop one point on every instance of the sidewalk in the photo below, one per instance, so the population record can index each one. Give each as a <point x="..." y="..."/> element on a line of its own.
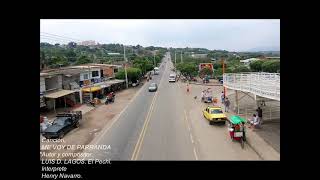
<point x="255" y="139"/>
<point x="258" y="144"/>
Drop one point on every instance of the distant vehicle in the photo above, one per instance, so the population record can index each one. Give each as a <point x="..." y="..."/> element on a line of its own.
<point x="172" y="78"/>
<point x="156" y="70"/>
<point x="153" y="87"/>
<point x="214" y="114"/>
<point x="63" y="123"/>
<point x="134" y="84"/>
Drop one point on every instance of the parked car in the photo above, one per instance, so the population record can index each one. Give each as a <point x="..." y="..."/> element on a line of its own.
<point x="153" y="87"/>
<point x="63" y="123"/>
<point x="214" y="114"/>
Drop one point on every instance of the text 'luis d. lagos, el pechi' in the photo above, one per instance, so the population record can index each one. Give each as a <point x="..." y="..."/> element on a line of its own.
<point x="74" y="161"/>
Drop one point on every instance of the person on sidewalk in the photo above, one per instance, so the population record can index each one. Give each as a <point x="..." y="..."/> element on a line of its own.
<point x="259" y="111"/>
<point x="254" y="122"/>
<point x="222" y="97"/>
<point x="226" y="105"/>
<point x="202" y="96"/>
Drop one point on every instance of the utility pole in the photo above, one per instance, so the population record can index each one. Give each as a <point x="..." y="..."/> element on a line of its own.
<point x="224" y="88"/>
<point x="181" y="57"/>
<point x="175" y="58"/>
<point x="154" y="59"/>
<point x="89" y="77"/>
<point x="125" y="65"/>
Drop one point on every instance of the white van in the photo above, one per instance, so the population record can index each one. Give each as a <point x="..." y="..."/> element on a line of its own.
<point x="156" y="70"/>
<point x="172" y="78"/>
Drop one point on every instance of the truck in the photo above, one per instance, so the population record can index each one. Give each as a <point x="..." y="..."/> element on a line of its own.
<point x="62" y="124"/>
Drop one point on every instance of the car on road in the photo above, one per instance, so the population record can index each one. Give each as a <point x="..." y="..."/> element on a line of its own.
<point x="172" y="78"/>
<point x="63" y="123"/>
<point x="153" y="87"/>
<point x="214" y="114"/>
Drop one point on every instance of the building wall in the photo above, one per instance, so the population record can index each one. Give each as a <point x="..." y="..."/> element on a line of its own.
<point x="67" y="80"/>
<point x="108" y="72"/>
<point x="49" y="103"/>
<point x="54" y="82"/>
<point x="42" y="84"/>
<point x="89" y="74"/>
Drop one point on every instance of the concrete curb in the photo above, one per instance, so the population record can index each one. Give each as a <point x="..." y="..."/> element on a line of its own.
<point x="261" y="147"/>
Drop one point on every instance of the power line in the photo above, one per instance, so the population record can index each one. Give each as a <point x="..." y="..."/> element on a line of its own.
<point x="53" y="39"/>
<point x="60" y="36"/>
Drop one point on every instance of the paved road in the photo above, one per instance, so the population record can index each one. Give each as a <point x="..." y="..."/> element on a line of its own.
<point x="123" y="133"/>
<point x="167" y="125"/>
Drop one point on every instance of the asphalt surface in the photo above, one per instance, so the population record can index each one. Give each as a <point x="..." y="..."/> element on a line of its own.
<point x="167" y="125"/>
<point x="123" y="133"/>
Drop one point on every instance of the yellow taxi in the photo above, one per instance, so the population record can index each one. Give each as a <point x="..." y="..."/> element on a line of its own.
<point x="214" y="114"/>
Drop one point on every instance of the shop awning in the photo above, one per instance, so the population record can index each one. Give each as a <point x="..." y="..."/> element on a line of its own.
<point x="58" y="94"/>
<point x="92" y="89"/>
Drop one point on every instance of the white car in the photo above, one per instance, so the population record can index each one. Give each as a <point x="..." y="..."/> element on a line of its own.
<point x="172" y="78"/>
<point x="153" y="87"/>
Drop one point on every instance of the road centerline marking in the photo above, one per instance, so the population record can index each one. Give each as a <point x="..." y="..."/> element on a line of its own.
<point x="138" y="146"/>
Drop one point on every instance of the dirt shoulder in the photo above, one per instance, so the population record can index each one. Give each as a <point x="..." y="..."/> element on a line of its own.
<point x="91" y="125"/>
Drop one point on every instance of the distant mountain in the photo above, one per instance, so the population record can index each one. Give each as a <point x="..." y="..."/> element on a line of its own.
<point x="264" y="49"/>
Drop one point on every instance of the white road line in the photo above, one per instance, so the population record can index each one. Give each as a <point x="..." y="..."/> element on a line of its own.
<point x="191" y="138"/>
<point x="116" y="118"/>
<point x="139" y="143"/>
<point x="195" y="153"/>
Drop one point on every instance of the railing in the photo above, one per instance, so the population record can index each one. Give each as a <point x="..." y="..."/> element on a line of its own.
<point x="269" y="114"/>
<point x="262" y="84"/>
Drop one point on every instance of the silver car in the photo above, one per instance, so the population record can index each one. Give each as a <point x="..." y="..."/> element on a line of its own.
<point x="153" y="87"/>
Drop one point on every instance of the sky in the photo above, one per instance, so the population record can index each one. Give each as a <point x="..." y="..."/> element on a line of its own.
<point x="228" y="34"/>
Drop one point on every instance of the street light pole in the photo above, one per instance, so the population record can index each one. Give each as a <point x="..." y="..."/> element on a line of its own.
<point x="175" y="59"/>
<point x="125" y="65"/>
<point x="224" y="88"/>
<point x="154" y="59"/>
<point x="89" y="76"/>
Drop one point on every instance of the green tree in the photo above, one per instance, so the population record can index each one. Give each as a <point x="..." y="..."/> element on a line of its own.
<point x="256" y="66"/>
<point x="241" y="69"/>
<point x="187" y="69"/>
<point x="83" y="60"/>
<point x="271" y="66"/>
<point x="205" y="71"/>
<point x="133" y="74"/>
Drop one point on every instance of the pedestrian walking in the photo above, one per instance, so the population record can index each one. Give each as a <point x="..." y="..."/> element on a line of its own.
<point x="226" y="105"/>
<point x="222" y="97"/>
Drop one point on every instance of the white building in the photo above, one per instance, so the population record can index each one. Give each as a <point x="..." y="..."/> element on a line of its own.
<point x="247" y="62"/>
<point x="199" y="55"/>
<point x="87" y="43"/>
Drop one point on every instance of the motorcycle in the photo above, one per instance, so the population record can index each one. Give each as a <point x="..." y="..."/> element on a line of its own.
<point x="110" y="98"/>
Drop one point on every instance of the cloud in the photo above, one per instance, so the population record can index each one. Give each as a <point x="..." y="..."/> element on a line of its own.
<point x="234" y="35"/>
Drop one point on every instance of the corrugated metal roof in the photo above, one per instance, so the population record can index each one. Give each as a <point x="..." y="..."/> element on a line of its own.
<point x="58" y="94"/>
